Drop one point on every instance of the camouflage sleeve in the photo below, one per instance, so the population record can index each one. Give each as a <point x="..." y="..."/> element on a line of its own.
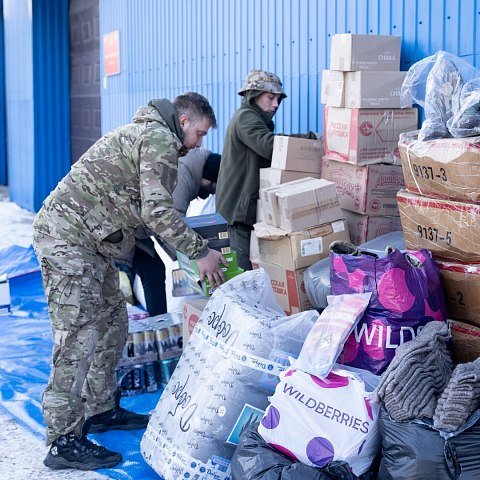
<point x="158" y="173"/>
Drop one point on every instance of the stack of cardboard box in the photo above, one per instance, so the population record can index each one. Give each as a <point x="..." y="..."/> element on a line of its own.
<point x="363" y="121"/>
<point x="440" y="211"/>
<point x="301" y="219"/>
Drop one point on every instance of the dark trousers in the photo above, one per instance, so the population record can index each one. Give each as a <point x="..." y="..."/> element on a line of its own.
<point x="151" y="271"/>
<point x="239" y="234"/>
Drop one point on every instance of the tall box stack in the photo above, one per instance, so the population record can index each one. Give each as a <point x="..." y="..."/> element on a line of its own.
<point x="440" y="211"/>
<point x="301" y="219"/>
<point x="363" y="122"/>
<point x="293" y="158"/>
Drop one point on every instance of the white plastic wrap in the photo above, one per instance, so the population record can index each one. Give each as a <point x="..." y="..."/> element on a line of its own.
<point x="437" y="83"/>
<point x="325" y="341"/>
<point x="229" y="367"/>
<point x="466" y="121"/>
<point x="317" y="421"/>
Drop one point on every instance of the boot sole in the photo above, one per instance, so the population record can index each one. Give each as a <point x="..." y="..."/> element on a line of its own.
<point x="101" y="429"/>
<point x="61" y="463"/>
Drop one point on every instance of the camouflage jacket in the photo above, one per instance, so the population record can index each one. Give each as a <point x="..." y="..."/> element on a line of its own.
<point x="124" y="181"/>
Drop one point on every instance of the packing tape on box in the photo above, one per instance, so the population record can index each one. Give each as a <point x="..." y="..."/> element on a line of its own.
<point x="411" y="168"/>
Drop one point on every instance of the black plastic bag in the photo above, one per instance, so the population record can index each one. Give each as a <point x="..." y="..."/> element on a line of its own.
<point x="414" y="451"/>
<point x="255" y="460"/>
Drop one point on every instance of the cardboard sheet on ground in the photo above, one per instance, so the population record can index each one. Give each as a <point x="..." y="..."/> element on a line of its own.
<point x="25" y="349"/>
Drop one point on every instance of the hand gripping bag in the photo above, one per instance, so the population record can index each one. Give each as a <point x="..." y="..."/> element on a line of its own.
<point x="221" y="384"/>
<point x="317" y="421"/>
<point x="406" y="294"/>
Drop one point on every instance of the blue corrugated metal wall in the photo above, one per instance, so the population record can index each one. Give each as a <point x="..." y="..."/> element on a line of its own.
<point x="19" y="95"/>
<point x="3" y="139"/>
<point x="170" y="46"/>
<point x="37" y="97"/>
<point x="51" y="75"/>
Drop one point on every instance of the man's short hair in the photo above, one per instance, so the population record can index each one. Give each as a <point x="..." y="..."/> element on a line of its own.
<point x="195" y="107"/>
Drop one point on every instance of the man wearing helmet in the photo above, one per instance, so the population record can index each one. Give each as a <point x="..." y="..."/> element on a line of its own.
<point x="248" y="147"/>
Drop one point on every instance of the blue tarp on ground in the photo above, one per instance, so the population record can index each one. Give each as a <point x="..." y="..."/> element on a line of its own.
<point x="25" y="349"/>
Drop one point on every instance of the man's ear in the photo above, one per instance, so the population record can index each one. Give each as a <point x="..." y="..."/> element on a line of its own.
<point x="183" y="119"/>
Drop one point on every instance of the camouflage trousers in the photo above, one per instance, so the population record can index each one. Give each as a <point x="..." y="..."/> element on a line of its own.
<point x="89" y="325"/>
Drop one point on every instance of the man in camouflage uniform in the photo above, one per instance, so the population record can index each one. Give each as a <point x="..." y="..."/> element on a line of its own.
<point x="124" y="181"/>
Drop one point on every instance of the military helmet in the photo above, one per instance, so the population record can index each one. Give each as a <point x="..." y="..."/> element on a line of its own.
<point x="262" y="81"/>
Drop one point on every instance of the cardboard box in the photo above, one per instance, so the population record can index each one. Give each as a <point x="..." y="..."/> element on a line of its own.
<point x="260" y="214"/>
<point x="369" y="189"/>
<point x="5" y="299"/>
<point x="461" y="284"/>
<point x="254" y="254"/>
<point x="350" y="52"/>
<point x="465" y="342"/>
<point x="191" y="313"/>
<point x="301" y="204"/>
<point x="208" y="290"/>
<point x="365" y="136"/>
<point x="301" y="249"/>
<point x="288" y="287"/>
<point x="272" y="177"/>
<point x="373" y="89"/>
<point x="449" y="229"/>
<point x="442" y="168"/>
<point x="191" y="266"/>
<point x="363" y="228"/>
<point x="333" y="88"/>
<point x="297" y="154"/>
<point x="212" y="227"/>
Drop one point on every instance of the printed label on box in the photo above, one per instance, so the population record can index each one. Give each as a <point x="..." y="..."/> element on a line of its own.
<point x="311" y="246"/>
<point x="338" y="226"/>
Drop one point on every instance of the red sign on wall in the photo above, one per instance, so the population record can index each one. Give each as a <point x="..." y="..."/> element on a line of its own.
<point x="111" y="53"/>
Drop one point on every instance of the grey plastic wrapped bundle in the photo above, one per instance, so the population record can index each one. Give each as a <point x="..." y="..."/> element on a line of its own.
<point x="442" y="84"/>
<point x="317" y="277"/>
<point x="221" y="384"/>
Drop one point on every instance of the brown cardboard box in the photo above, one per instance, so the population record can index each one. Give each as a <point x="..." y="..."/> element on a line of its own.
<point x="367" y="89"/>
<point x="295" y="250"/>
<point x="288" y="287"/>
<point x="442" y="168"/>
<point x="350" y="52"/>
<point x="465" y="342"/>
<point x="369" y="189"/>
<point x="363" y="228"/>
<point x="365" y="135"/>
<point x="333" y="88"/>
<point x="301" y="204"/>
<point x="254" y="253"/>
<point x="297" y="154"/>
<point x="191" y="313"/>
<point x="450" y="230"/>
<point x="260" y="214"/>
<point x="271" y="177"/>
<point x="462" y="290"/>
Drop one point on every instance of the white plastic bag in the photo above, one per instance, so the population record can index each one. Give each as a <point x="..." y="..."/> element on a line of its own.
<point x="325" y="341"/>
<point x="222" y="382"/>
<point x="317" y="421"/>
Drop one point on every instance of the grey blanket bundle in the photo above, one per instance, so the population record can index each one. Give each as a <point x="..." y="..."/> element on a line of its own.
<point x="417" y="375"/>
<point x="460" y="398"/>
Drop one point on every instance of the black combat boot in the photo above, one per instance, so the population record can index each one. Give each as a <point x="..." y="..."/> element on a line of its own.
<point x="69" y="451"/>
<point x="117" y="419"/>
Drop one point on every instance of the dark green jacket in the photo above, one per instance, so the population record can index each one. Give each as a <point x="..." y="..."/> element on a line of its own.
<point x="248" y="147"/>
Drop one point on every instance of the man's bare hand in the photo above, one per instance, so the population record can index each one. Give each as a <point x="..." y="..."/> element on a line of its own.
<point x="209" y="267"/>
